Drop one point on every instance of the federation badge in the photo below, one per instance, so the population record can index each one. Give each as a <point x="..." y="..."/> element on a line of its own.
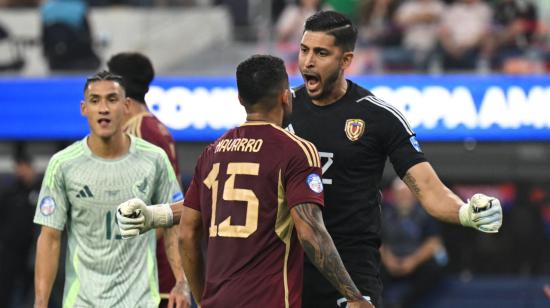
<point x="354" y="129"/>
<point x="177" y="196"/>
<point x="415" y="144"/>
<point x="315" y="183"/>
<point x="47" y="206"/>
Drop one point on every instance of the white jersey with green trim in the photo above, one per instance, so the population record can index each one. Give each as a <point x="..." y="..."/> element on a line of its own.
<point x="81" y="191"/>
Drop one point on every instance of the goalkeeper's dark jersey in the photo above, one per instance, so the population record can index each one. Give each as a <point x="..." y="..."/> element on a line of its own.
<point x="354" y="136"/>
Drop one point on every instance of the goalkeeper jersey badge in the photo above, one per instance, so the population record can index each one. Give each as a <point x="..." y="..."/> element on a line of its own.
<point x="354" y="129"/>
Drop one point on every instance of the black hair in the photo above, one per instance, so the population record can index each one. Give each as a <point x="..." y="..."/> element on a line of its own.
<point x="260" y="77"/>
<point x="335" y="24"/>
<point x="104" y="75"/>
<point x="136" y="70"/>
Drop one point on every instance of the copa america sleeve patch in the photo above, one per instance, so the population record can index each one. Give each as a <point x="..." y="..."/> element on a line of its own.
<point x="47" y="206"/>
<point x="415" y="144"/>
<point x="315" y="183"/>
<point x="177" y="196"/>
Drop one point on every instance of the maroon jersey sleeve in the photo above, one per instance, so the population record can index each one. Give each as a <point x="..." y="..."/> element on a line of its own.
<point x="303" y="178"/>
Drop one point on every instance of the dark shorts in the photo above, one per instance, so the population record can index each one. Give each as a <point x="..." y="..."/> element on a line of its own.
<point x="319" y="293"/>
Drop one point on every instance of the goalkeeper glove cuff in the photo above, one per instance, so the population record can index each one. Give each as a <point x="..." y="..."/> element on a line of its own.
<point x="464" y="216"/>
<point x="162" y="215"/>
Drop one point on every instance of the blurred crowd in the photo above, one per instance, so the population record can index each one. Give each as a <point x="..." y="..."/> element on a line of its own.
<point x="508" y="36"/>
<point x="419" y="253"/>
<point x="427" y="36"/>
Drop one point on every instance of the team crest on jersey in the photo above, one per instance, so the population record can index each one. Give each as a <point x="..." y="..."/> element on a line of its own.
<point x="47" y="206"/>
<point x="315" y="183"/>
<point x="354" y="129"/>
<point x="141" y="188"/>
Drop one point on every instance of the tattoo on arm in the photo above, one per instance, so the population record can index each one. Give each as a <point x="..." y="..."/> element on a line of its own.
<point x="321" y="251"/>
<point x="411" y="183"/>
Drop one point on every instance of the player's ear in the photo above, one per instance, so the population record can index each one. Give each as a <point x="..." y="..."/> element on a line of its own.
<point x="347" y="58"/>
<point x="286" y="96"/>
<point x="126" y="105"/>
<point x="83" y="108"/>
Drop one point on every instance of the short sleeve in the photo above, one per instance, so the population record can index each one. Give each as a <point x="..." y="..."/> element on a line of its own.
<point x="400" y="141"/>
<point x="52" y="209"/>
<point x="302" y="178"/>
<point x="192" y="199"/>
<point x="168" y="188"/>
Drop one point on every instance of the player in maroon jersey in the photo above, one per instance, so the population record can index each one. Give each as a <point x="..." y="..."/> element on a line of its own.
<point x="256" y="193"/>
<point x="138" y="72"/>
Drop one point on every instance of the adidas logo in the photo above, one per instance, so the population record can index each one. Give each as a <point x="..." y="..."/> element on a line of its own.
<point x="85" y="192"/>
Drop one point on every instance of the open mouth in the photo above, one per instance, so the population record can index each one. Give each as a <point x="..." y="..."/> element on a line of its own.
<point x="103" y="122"/>
<point x="312" y="81"/>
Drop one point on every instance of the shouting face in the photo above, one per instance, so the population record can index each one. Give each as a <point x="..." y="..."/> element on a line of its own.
<point x="321" y="63"/>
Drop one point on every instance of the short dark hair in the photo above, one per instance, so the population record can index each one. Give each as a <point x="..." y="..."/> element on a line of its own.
<point x="260" y="77"/>
<point x="335" y="24"/>
<point x="136" y="70"/>
<point x="104" y="75"/>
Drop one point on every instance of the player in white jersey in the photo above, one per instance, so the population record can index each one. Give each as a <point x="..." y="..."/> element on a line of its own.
<point x="82" y="187"/>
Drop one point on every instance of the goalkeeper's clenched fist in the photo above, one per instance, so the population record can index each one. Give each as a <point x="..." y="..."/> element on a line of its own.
<point x="134" y="217"/>
<point x="483" y="213"/>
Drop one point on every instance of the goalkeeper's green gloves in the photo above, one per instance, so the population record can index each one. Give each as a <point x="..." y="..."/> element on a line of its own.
<point x="134" y="217"/>
<point x="482" y="212"/>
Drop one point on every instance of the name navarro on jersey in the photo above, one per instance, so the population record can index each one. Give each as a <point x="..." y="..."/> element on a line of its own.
<point x="239" y="145"/>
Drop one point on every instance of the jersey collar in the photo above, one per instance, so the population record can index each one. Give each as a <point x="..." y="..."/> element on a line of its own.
<point x="88" y="152"/>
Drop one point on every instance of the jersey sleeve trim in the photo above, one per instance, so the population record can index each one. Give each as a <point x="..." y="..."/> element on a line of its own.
<point x="402" y="170"/>
<point x="380" y="103"/>
<point x="309" y="149"/>
<point x="50" y="224"/>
